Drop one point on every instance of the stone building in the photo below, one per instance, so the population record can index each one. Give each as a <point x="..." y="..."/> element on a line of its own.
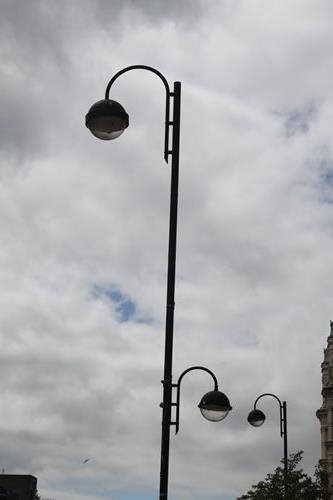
<point x="19" y="486"/>
<point x="325" y="413"/>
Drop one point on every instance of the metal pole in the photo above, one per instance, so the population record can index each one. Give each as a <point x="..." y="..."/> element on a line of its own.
<point x="285" y="448"/>
<point x="283" y="433"/>
<point x="170" y="302"/>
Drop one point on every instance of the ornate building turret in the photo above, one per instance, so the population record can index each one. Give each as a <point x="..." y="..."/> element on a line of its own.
<point x="325" y="413"/>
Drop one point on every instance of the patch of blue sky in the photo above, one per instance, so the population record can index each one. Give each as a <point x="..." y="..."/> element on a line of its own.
<point x="326" y="180"/>
<point x="153" y="496"/>
<point x="327" y="177"/>
<point x="224" y="497"/>
<point x="134" y="496"/>
<point x="246" y="339"/>
<point x="84" y="486"/>
<point x="298" y="121"/>
<point x="126" y="308"/>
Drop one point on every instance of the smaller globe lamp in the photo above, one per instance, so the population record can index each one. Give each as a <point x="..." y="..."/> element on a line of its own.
<point x="256" y="418"/>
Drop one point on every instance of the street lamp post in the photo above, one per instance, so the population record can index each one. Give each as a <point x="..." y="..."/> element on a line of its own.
<point x="107" y="119"/>
<point x="257" y="418"/>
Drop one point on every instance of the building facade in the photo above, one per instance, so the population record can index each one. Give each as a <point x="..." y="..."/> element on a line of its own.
<point x="20" y="486"/>
<point x="325" y="413"/>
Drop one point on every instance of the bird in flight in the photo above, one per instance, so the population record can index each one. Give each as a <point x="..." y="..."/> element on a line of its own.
<point x="86" y="460"/>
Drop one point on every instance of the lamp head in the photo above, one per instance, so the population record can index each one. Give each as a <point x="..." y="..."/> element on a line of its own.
<point x="106" y="119"/>
<point x="214" y="406"/>
<point x="256" y="418"/>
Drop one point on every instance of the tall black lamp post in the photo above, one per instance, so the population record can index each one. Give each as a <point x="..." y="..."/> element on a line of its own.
<point x="107" y="119"/>
<point x="257" y="418"/>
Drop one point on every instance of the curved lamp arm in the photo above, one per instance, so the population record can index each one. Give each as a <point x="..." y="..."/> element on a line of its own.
<point x="283" y="417"/>
<point x="283" y="433"/>
<point x="169" y="94"/>
<point x="177" y="404"/>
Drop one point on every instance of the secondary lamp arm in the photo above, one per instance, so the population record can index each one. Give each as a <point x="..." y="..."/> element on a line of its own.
<point x="177" y="404"/>
<point x="283" y="417"/>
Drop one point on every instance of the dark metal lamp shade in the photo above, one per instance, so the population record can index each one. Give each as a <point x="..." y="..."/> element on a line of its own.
<point x="256" y="418"/>
<point x="214" y="406"/>
<point x="107" y="119"/>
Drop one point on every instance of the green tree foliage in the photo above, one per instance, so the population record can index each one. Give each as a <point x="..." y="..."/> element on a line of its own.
<point x="300" y="486"/>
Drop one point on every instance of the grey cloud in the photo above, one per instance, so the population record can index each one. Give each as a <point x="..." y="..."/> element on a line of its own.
<point x="33" y="54"/>
<point x="153" y="11"/>
<point x="22" y="131"/>
<point x="14" y="456"/>
<point x="37" y="41"/>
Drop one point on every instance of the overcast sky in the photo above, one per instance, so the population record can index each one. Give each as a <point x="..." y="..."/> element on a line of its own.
<point x="84" y="230"/>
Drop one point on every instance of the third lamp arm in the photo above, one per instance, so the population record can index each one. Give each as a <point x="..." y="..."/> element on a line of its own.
<point x="283" y="426"/>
